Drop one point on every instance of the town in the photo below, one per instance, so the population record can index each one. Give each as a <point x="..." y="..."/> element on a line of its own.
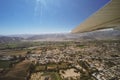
<point x="71" y="60"/>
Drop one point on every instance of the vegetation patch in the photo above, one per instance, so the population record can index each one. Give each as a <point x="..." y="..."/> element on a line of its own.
<point x="18" y="72"/>
<point x="5" y="64"/>
<point x="63" y="65"/>
<point x="53" y="75"/>
<point x="51" y="67"/>
<point x="40" y="68"/>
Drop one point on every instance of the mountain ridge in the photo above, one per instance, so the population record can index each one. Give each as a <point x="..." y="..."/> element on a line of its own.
<point x="95" y="35"/>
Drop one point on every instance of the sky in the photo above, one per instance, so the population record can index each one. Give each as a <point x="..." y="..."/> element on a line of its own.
<point x="44" y="16"/>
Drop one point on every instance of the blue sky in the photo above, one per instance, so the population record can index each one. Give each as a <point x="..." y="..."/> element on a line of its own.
<point x="44" y="16"/>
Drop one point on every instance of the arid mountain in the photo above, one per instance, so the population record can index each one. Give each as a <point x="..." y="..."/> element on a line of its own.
<point x="95" y="35"/>
<point x="5" y="39"/>
<point x="101" y="35"/>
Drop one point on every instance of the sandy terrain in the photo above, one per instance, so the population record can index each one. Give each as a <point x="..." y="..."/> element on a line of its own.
<point x="69" y="73"/>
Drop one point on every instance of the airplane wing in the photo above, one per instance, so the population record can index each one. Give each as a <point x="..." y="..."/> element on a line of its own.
<point x="107" y="17"/>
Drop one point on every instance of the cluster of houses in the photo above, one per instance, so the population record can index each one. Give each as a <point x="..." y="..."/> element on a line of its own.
<point x="74" y="55"/>
<point x="96" y="60"/>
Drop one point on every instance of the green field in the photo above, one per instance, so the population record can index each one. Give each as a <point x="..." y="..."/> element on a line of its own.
<point x="53" y="75"/>
<point x="4" y="64"/>
<point x="63" y="66"/>
<point x="40" y="68"/>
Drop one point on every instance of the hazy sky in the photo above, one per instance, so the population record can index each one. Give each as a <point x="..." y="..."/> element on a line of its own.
<point x="44" y="16"/>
